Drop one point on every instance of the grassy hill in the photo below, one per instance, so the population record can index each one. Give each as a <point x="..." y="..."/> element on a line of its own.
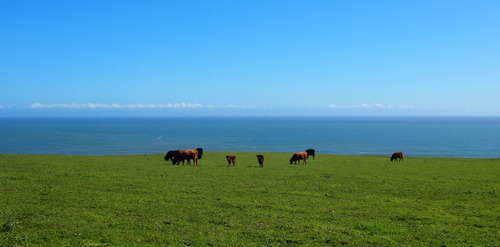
<point x="141" y="200"/>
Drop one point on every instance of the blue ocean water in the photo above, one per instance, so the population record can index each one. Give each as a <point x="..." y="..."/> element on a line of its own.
<point x="477" y="137"/>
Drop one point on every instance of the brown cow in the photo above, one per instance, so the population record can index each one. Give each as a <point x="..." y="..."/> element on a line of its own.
<point x="260" y="158"/>
<point x="298" y="156"/>
<point x="186" y="155"/>
<point x="398" y="156"/>
<point x="231" y="159"/>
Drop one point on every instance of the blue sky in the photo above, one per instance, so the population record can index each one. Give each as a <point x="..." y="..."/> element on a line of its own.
<point x="249" y="58"/>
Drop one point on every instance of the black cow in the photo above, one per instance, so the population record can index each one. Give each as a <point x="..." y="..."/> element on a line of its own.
<point x="260" y="158"/>
<point x="200" y="152"/>
<point x="398" y="156"/>
<point x="310" y="152"/>
<point x="171" y="154"/>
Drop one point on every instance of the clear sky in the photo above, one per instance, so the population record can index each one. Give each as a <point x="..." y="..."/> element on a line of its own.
<point x="250" y="58"/>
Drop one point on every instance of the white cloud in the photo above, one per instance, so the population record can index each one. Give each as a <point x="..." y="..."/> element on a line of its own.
<point x="406" y="106"/>
<point x="38" y="105"/>
<point x="1" y="107"/>
<point x="235" y="106"/>
<point x="334" y="106"/>
<point x="369" y="106"/>
<point x="94" y="106"/>
<point x="382" y="106"/>
<point x="251" y="107"/>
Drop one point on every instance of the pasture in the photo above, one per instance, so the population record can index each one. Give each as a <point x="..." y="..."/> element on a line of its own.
<point x="141" y="200"/>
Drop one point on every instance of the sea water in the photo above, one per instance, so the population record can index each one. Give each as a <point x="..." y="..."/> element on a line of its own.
<point x="477" y="137"/>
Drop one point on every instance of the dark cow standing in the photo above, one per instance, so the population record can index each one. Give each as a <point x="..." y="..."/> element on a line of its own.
<point x="171" y="154"/>
<point x="231" y="159"/>
<point x="398" y="156"/>
<point x="260" y="158"/>
<point x="200" y="152"/>
<point x="186" y="155"/>
<point x="310" y="152"/>
<point x="298" y="156"/>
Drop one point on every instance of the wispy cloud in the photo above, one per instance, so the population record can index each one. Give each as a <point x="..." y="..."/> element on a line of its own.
<point x="252" y="107"/>
<point x="2" y="107"/>
<point x="369" y="106"/>
<point x="334" y="106"/>
<point x="382" y="106"/>
<point x="156" y="106"/>
<point x="236" y="106"/>
<point x="38" y="105"/>
<point x="406" y="106"/>
<point x="92" y="106"/>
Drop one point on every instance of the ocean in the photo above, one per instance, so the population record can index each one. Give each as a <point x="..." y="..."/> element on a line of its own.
<point x="474" y="137"/>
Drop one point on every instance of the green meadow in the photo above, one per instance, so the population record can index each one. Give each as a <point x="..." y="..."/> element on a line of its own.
<point x="141" y="200"/>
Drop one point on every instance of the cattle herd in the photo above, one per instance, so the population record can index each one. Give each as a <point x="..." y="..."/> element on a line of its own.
<point x="181" y="155"/>
<point x="176" y="156"/>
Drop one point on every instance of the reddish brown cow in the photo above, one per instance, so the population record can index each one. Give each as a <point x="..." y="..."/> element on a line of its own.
<point x="186" y="155"/>
<point x="299" y="156"/>
<point x="398" y="156"/>
<point x="260" y="158"/>
<point x="231" y="159"/>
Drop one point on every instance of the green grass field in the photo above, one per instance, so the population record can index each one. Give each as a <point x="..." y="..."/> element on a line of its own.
<point x="141" y="200"/>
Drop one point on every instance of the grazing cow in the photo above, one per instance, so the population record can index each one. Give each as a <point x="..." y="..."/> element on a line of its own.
<point x="231" y="159"/>
<point x="298" y="156"/>
<point x="398" y="156"/>
<point x="171" y="154"/>
<point x="310" y="152"/>
<point x="186" y="155"/>
<point x="200" y="152"/>
<point x="260" y="158"/>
